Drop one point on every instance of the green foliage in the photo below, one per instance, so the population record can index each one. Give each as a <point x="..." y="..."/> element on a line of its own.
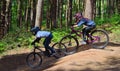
<point x="2" y="46"/>
<point x="100" y="21"/>
<point x="113" y="20"/>
<point x="58" y="34"/>
<point x="15" y="39"/>
<point x="21" y="38"/>
<point x="113" y="28"/>
<point x="116" y="35"/>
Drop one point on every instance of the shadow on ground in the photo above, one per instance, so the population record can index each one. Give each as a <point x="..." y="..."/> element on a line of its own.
<point x="18" y="63"/>
<point x="113" y="44"/>
<point x="11" y="62"/>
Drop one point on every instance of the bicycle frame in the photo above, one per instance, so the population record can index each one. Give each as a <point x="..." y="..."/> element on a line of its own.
<point x="34" y="59"/>
<point x="79" y="33"/>
<point x="36" y="48"/>
<point x="73" y="31"/>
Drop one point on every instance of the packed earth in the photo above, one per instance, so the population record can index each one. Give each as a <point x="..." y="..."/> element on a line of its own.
<point x="86" y="59"/>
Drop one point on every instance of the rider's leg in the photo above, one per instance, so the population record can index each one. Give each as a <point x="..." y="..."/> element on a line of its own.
<point x="88" y="30"/>
<point x="84" y="34"/>
<point x="46" y="43"/>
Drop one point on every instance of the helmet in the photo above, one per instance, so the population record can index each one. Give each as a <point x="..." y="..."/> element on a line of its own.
<point x="78" y="15"/>
<point x="34" y="30"/>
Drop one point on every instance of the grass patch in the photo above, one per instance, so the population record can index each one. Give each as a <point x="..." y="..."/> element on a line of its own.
<point x="115" y="35"/>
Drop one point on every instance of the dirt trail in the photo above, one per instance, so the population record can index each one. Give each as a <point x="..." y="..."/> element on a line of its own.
<point x="86" y="59"/>
<point x="90" y="60"/>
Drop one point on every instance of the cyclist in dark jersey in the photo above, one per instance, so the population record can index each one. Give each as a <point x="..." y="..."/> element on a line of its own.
<point x="89" y="25"/>
<point x="43" y="34"/>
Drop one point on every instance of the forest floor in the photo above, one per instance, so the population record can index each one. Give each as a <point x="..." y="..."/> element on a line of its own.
<point x="86" y="59"/>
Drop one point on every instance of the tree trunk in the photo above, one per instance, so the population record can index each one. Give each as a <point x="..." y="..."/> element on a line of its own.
<point x="33" y="13"/>
<point x="19" y="15"/>
<point x="38" y="20"/>
<point x="8" y="13"/>
<point x="0" y="10"/>
<point x="88" y="9"/>
<point x="70" y="12"/>
<point x="61" y="7"/>
<point x="2" y="19"/>
<point x="3" y="14"/>
<point x="94" y="9"/>
<point x="67" y="15"/>
<point x="99" y="8"/>
<point x="26" y="12"/>
<point x="119" y="6"/>
<point x="110" y="7"/>
<point x="53" y="13"/>
<point x="48" y="19"/>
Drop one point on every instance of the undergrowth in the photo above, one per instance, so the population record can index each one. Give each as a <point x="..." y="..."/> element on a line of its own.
<point x="21" y="37"/>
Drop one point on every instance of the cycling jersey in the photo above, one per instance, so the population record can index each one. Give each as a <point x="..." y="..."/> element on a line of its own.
<point x="41" y="34"/>
<point x="86" y="22"/>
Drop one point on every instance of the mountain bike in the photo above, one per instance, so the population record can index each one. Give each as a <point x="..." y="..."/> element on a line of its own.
<point x="97" y="38"/>
<point x="35" y="58"/>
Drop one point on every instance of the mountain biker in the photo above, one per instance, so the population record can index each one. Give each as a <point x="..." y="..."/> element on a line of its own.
<point x="89" y="25"/>
<point x="43" y="34"/>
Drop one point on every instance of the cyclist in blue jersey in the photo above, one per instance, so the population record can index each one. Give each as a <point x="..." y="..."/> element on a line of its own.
<point x="43" y="34"/>
<point x="89" y="25"/>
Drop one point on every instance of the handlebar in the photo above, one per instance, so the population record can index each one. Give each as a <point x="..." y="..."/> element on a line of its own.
<point x="72" y="28"/>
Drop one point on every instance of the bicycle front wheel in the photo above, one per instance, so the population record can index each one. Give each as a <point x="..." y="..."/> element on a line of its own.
<point x="71" y="44"/>
<point x="34" y="60"/>
<point x="60" y="49"/>
<point x="100" y="39"/>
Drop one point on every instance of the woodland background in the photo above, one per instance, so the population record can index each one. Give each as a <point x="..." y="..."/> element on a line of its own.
<point x="17" y="17"/>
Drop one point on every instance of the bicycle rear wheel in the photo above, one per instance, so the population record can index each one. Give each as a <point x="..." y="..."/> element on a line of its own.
<point x="60" y="49"/>
<point x="71" y="44"/>
<point x="100" y="39"/>
<point x="34" y="60"/>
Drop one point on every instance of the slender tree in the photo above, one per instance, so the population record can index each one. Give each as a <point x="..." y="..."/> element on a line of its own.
<point x="19" y="15"/>
<point x="33" y="13"/>
<point x="3" y="24"/>
<point x="70" y="12"/>
<point x="39" y="13"/>
<point x="61" y="7"/>
<point x="118" y="6"/>
<point x="27" y="13"/>
<point x="94" y="8"/>
<point x="7" y="15"/>
<point x="48" y="18"/>
<point x="53" y="13"/>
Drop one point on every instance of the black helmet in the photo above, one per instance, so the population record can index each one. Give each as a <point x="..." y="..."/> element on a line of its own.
<point x="34" y="30"/>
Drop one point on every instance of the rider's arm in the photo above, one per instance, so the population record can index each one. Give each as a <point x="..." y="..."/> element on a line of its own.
<point x="75" y="25"/>
<point x="36" y="40"/>
<point x="78" y="24"/>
